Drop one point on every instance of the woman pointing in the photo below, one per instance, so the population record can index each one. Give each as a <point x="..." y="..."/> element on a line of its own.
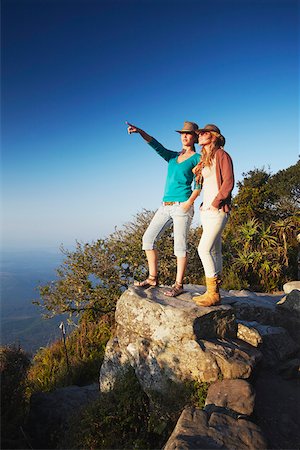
<point x="177" y="204"/>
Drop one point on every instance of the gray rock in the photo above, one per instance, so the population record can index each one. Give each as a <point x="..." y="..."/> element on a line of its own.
<point x="291" y="302"/>
<point x="236" y="395"/>
<point x="251" y="306"/>
<point x="236" y="434"/>
<point x="288" y="314"/>
<point x="248" y="333"/>
<point x="264" y="309"/>
<point x="191" y="432"/>
<point x="115" y="364"/>
<point x="166" y="339"/>
<point x="275" y="343"/>
<point x="154" y="316"/>
<point x="290" y="286"/>
<point x="195" y="429"/>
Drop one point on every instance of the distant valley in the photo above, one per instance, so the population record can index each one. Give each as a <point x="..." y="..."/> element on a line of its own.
<point x="20" y="274"/>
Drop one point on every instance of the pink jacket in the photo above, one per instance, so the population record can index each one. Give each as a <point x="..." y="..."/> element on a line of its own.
<point x="225" y="179"/>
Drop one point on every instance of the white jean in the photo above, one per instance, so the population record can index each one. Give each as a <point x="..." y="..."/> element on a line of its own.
<point x="210" y="245"/>
<point x="164" y="217"/>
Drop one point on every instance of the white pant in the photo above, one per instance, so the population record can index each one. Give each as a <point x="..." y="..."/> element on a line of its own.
<point x="210" y="245"/>
<point x="163" y="218"/>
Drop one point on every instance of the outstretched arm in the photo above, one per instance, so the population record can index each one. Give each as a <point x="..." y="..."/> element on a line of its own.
<point x="133" y="129"/>
<point x="160" y="149"/>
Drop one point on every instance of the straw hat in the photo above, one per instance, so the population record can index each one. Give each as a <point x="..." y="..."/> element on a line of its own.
<point x="209" y="127"/>
<point x="188" y="127"/>
<point x="213" y="129"/>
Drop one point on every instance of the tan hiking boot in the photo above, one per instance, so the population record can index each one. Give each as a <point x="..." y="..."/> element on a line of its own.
<point x="212" y="296"/>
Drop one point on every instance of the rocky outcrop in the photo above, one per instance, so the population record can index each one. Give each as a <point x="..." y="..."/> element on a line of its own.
<point x="166" y="339"/>
<point x="170" y="340"/>
<point x="224" y="422"/>
<point x="288" y="314"/>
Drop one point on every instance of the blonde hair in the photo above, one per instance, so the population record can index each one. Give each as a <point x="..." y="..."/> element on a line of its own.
<point x="207" y="155"/>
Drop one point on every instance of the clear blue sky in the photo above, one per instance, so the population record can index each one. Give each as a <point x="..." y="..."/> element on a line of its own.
<point x="74" y="71"/>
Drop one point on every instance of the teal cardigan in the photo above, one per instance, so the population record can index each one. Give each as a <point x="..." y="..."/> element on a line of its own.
<point x="180" y="176"/>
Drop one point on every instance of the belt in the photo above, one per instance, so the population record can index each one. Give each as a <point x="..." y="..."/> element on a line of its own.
<point x="170" y="203"/>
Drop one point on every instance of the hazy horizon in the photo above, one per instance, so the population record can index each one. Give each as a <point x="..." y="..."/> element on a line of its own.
<point x="20" y="274"/>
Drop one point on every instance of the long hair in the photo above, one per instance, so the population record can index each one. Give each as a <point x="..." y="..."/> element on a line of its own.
<point x="207" y="155"/>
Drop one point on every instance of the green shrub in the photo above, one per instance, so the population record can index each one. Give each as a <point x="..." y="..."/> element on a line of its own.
<point x="14" y="364"/>
<point x="85" y="349"/>
<point x="128" y="418"/>
<point x="198" y="393"/>
<point x="122" y="418"/>
<point x="232" y="280"/>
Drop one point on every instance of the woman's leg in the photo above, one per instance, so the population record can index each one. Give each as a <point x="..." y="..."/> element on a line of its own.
<point x="216" y="253"/>
<point x="210" y="252"/>
<point x="209" y="249"/>
<point x="152" y="258"/>
<point x="182" y="221"/>
<point x="181" y="266"/>
<point x="160" y="221"/>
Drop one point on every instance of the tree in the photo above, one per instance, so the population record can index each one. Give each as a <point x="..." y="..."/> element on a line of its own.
<point x="285" y="185"/>
<point x="254" y="194"/>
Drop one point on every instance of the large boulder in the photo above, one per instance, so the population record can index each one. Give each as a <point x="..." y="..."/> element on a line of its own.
<point x="224" y="423"/>
<point x="172" y="339"/>
<point x="253" y="306"/>
<point x="237" y="396"/>
<point x="196" y="429"/>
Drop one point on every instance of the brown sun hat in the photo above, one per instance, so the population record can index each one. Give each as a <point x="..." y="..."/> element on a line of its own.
<point x="213" y="128"/>
<point x="188" y="127"/>
<point x="209" y="127"/>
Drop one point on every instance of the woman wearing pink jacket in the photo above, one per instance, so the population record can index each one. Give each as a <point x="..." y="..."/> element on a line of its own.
<point x="215" y="173"/>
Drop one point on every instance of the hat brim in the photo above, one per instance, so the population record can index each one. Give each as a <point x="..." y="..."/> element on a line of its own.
<point x="221" y="137"/>
<point x="200" y="130"/>
<point x="186" y="131"/>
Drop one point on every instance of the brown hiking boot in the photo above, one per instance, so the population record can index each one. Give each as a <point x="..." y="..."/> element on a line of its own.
<point x="212" y="296"/>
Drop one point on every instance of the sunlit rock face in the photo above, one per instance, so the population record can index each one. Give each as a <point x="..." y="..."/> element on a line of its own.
<point x="172" y="339"/>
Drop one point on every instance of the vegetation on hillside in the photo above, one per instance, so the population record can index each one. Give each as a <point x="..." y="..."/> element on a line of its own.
<point x="14" y="364"/>
<point x="78" y="361"/>
<point x="128" y="418"/>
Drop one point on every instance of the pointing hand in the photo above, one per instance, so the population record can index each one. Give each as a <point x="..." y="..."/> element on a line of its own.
<point x="131" y="128"/>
